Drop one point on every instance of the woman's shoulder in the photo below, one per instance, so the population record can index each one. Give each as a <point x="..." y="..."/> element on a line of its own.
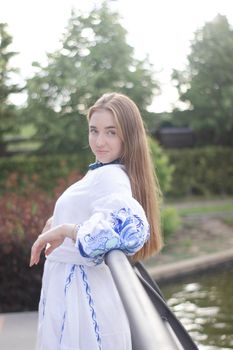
<point x="111" y="172"/>
<point x="111" y="178"/>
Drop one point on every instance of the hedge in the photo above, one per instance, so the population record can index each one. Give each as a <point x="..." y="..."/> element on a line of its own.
<point x="23" y="219"/>
<point x="198" y="171"/>
<point x="42" y="172"/>
<point x="202" y="171"/>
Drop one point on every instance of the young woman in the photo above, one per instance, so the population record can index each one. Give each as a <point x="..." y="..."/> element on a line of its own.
<point x="114" y="206"/>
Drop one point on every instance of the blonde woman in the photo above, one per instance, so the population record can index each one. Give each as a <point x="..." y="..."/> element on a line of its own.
<point x="114" y="206"/>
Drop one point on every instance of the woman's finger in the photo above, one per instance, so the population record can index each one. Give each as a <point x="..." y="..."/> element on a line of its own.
<point x="37" y="247"/>
<point x="48" y="225"/>
<point x="50" y="248"/>
<point x="54" y="237"/>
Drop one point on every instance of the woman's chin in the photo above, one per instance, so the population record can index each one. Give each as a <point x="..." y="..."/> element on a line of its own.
<point x="104" y="160"/>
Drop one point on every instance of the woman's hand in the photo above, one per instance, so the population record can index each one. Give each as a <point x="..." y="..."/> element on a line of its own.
<point x="54" y="237"/>
<point x="48" y="225"/>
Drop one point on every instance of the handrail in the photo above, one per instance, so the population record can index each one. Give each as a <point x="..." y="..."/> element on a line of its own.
<point x="147" y="328"/>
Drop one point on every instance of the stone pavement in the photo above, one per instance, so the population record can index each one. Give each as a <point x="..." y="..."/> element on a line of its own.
<point x="18" y="331"/>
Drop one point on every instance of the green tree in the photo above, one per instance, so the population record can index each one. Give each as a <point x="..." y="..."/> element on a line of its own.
<point x="94" y="58"/>
<point x="207" y="82"/>
<point x="8" y="112"/>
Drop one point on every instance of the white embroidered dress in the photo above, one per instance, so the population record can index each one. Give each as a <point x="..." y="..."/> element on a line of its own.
<point x="80" y="308"/>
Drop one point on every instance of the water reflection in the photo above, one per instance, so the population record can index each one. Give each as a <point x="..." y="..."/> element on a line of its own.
<point x="204" y="304"/>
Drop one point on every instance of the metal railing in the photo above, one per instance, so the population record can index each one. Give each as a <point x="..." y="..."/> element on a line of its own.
<point x="148" y="330"/>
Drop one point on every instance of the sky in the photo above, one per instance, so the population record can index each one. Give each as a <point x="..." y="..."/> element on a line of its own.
<point x="161" y="29"/>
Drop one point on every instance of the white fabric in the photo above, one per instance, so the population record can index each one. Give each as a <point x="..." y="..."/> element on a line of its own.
<point x="80" y="308"/>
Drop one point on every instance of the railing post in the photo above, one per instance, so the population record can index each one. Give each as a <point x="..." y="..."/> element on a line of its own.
<point x="147" y="328"/>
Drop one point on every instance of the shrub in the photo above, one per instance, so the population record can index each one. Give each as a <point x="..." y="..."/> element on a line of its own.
<point x="163" y="168"/>
<point x="23" y="220"/>
<point x="202" y="171"/>
<point x="24" y="217"/>
<point x="44" y="172"/>
<point x="170" y="222"/>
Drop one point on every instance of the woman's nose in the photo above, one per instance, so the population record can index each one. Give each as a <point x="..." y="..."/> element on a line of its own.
<point x="100" y="140"/>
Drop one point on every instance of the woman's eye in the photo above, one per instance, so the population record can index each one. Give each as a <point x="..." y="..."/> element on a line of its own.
<point x="111" y="132"/>
<point x="93" y="131"/>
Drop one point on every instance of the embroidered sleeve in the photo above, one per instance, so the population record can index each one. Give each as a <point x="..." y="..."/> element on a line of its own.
<point x="115" y="224"/>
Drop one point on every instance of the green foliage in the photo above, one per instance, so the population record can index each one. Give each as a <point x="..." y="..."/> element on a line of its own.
<point x="94" y="58"/>
<point x="40" y="172"/>
<point x="199" y="171"/>
<point x="170" y="222"/>
<point x="202" y="171"/>
<point x="163" y="168"/>
<point x="44" y="171"/>
<point x="207" y="83"/>
<point x="8" y="112"/>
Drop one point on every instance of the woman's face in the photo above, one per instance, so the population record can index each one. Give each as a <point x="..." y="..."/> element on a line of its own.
<point x="104" y="138"/>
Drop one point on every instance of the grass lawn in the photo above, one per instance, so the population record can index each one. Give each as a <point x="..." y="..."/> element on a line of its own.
<point x="195" y="205"/>
<point x="206" y="209"/>
<point x="206" y="227"/>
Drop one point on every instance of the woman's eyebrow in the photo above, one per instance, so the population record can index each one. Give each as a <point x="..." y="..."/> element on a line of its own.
<point x="107" y="127"/>
<point x="110" y="127"/>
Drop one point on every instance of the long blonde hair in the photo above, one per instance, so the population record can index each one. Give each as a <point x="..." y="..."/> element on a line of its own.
<point x="137" y="161"/>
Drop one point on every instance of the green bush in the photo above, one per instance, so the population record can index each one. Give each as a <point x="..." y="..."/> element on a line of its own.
<point x="43" y="172"/>
<point x="170" y="222"/>
<point x="202" y="171"/>
<point x="162" y="166"/>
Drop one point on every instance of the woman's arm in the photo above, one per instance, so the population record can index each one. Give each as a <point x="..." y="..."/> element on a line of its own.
<point x="54" y="237"/>
<point x="48" y="225"/>
<point x="116" y="222"/>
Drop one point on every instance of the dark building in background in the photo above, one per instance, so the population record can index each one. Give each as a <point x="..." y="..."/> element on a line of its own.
<point x="173" y="137"/>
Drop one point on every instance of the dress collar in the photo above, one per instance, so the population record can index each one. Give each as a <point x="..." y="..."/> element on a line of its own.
<point x="99" y="164"/>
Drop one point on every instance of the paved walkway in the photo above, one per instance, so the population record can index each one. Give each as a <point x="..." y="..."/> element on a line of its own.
<point x="18" y="331"/>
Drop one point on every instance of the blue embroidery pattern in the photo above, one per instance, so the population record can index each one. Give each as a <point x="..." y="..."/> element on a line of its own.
<point x="63" y="326"/>
<point x="69" y="278"/>
<point x="126" y="232"/>
<point x="43" y="306"/>
<point x="67" y="284"/>
<point x="91" y="305"/>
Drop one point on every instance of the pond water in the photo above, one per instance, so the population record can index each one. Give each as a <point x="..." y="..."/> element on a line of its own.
<point x="204" y="305"/>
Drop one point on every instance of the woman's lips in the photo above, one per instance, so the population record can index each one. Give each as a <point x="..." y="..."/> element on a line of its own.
<point x="101" y="152"/>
